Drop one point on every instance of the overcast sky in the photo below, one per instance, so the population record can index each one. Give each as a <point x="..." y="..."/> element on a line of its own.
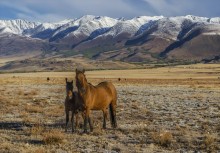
<point x="57" y="10"/>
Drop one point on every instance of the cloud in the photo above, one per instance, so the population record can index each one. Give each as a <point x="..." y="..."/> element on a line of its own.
<point x="185" y="7"/>
<point x="56" y="10"/>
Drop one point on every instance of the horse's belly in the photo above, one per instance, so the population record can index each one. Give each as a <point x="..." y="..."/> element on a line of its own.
<point x="100" y="105"/>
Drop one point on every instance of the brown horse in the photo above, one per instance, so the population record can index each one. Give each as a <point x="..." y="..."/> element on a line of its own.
<point x="99" y="97"/>
<point x="72" y="104"/>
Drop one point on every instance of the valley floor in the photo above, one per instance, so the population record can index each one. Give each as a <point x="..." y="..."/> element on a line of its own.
<point x="173" y="109"/>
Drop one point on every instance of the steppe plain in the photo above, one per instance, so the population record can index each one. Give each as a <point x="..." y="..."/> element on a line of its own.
<point x="165" y="109"/>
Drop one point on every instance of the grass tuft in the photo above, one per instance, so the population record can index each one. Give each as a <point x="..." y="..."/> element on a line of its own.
<point x="163" y="138"/>
<point x="53" y="137"/>
<point x="209" y="142"/>
<point x="33" y="109"/>
<point x="37" y="130"/>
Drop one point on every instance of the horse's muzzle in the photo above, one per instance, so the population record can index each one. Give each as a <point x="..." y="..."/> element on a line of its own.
<point x="70" y="94"/>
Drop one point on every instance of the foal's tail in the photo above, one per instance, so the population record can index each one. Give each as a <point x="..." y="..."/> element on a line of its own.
<point x="112" y="111"/>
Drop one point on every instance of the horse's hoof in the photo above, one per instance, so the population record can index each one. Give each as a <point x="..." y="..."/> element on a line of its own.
<point x="115" y="126"/>
<point x="85" y="133"/>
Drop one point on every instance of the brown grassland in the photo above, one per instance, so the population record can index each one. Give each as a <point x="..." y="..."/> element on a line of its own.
<point x="168" y="109"/>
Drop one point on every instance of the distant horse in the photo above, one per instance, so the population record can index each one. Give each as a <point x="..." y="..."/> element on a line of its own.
<point x="99" y="97"/>
<point x="73" y="104"/>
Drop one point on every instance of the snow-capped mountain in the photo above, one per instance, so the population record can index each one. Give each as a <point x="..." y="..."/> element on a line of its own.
<point x="84" y="27"/>
<point x="131" y="26"/>
<point x="89" y="24"/>
<point x="97" y="31"/>
<point x="16" y="26"/>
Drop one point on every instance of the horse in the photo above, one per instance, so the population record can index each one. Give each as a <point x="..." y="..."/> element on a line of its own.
<point x="73" y="104"/>
<point x="99" y="97"/>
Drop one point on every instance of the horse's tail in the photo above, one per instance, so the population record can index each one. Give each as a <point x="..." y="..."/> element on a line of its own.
<point x="112" y="105"/>
<point x="112" y="111"/>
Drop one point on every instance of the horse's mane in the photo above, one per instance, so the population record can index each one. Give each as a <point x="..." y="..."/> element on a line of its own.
<point x="95" y="86"/>
<point x="90" y="84"/>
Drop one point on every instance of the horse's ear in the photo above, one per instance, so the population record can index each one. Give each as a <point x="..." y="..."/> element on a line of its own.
<point x="72" y="82"/>
<point x="66" y="79"/>
<point x="76" y="70"/>
<point x="83" y="71"/>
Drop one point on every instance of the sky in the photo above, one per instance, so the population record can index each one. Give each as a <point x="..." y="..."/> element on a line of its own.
<point x="57" y="10"/>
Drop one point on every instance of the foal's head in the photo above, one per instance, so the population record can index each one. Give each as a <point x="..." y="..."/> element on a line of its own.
<point x="81" y="81"/>
<point x="69" y="88"/>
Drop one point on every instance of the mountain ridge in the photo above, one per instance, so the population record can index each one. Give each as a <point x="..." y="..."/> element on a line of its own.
<point x="19" y="26"/>
<point x="140" y="39"/>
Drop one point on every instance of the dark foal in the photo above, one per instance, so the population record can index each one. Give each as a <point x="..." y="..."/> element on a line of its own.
<point x="72" y="104"/>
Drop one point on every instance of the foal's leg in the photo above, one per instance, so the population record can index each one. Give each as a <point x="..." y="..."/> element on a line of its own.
<point x="72" y="121"/>
<point x="104" y="118"/>
<point x="67" y="119"/>
<point x="77" y="120"/>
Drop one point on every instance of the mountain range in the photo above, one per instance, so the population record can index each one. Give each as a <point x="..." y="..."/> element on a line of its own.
<point x="142" y="39"/>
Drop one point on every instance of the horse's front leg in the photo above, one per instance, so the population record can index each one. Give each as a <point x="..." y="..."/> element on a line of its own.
<point x="86" y="120"/>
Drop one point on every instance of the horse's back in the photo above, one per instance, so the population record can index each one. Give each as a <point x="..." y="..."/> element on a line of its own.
<point x="109" y="88"/>
<point x="107" y="85"/>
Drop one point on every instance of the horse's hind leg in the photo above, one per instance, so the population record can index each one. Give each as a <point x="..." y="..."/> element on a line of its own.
<point x="85" y="124"/>
<point x="115" y="121"/>
<point x="104" y="118"/>
<point x="90" y="124"/>
<point x="114" y="113"/>
<point x="67" y="119"/>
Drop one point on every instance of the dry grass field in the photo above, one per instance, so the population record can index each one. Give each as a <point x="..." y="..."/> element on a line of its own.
<point x="169" y="109"/>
